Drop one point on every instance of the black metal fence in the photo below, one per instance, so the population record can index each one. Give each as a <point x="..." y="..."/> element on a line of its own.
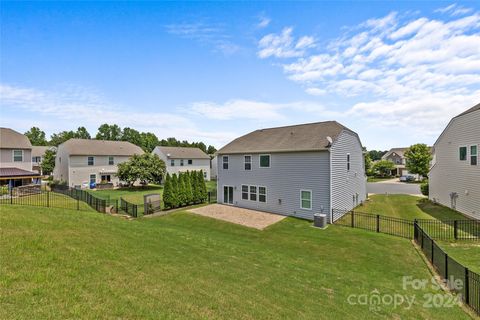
<point x="94" y="202"/>
<point x="375" y="222"/>
<point x="212" y="197"/>
<point x="459" y="278"/>
<point x="124" y="207"/>
<point x="440" y="230"/>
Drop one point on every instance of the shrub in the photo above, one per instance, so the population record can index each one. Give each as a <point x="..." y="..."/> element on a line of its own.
<point x="424" y="188"/>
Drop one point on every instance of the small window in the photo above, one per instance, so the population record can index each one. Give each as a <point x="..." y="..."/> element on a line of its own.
<point x="348" y="161"/>
<point x="473" y="155"/>
<point x="190" y="161"/>
<point x="17" y="155"/>
<point x="172" y="163"/>
<point x="225" y="162"/>
<point x="253" y="193"/>
<point x="248" y="162"/>
<point x="181" y="162"/>
<point x="204" y="174"/>
<point x="110" y="161"/>
<point x="463" y="153"/>
<point x="262" y="194"/>
<point x="90" y="161"/>
<point x="264" y="161"/>
<point x="93" y="178"/>
<point x="244" y="192"/>
<point x="306" y="199"/>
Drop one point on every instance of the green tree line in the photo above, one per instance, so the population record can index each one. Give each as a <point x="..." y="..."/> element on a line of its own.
<point x="186" y="188"/>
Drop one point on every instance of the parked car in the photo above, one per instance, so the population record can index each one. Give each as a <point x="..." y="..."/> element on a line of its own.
<point x="407" y="178"/>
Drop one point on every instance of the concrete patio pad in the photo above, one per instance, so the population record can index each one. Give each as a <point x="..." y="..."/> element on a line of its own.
<point x="245" y="217"/>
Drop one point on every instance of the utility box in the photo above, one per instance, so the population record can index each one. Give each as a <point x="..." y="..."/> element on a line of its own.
<point x="320" y="220"/>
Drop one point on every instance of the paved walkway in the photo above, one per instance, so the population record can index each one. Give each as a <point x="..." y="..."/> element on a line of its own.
<point x="245" y="217"/>
<point x="393" y="187"/>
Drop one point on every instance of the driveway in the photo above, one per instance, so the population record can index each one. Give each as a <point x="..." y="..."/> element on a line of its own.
<point x="245" y="217"/>
<point x="393" y="187"/>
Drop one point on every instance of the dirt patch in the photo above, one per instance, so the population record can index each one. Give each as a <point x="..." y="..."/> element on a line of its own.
<point x="245" y="217"/>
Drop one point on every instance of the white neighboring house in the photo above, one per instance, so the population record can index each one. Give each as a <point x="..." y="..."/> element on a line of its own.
<point x="296" y="170"/>
<point x="182" y="159"/>
<point x="454" y="178"/>
<point x="214" y="167"/>
<point x="82" y="162"/>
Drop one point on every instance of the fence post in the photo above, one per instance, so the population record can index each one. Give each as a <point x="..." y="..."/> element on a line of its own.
<point x="446" y="268"/>
<point x="431" y="248"/>
<point x="353" y="219"/>
<point x="11" y="195"/>
<point x="378" y="223"/>
<point x="455" y="229"/>
<point x="78" y="204"/>
<point x="48" y="199"/>
<point x="415" y="230"/>
<point x="467" y="289"/>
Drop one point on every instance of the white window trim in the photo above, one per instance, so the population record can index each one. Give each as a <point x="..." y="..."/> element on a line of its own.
<point x="113" y="160"/>
<point x="182" y="163"/>
<point x="470" y="155"/>
<point x="311" y="199"/>
<point x="244" y="162"/>
<point x="172" y="162"/>
<point x="466" y="154"/>
<point x="248" y="192"/>
<point x="13" y="155"/>
<point x="269" y="160"/>
<point x="266" y="192"/>
<point x="227" y="162"/>
<point x="88" y="157"/>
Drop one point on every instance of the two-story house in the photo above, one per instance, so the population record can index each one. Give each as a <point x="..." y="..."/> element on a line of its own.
<point x="15" y="159"/>
<point x="295" y="170"/>
<point x="397" y="156"/>
<point x="454" y="178"/>
<point x="86" y="162"/>
<point x="181" y="159"/>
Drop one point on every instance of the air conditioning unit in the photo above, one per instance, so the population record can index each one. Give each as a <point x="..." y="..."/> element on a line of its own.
<point x="320" y="220"/>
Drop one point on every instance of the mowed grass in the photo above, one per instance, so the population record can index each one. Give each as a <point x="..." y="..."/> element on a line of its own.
<point x="133" y="194"/>
<point x="51" y="199"/>
<point x="60" y="264"/>
<point x="379" y="179"/>
<point x="465" y="252"/>
<point x="407" y="207"/>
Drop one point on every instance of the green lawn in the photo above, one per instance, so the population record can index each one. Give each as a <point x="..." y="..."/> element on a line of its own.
<point x="378" y="179"/>
<point x="133" y="194"/>
<point x="60" y="264"/>
<point x="465" y="252"/>
<point x="407" y="207"/>
<point x="52" y="199"/>
<point x="211" y="186"/>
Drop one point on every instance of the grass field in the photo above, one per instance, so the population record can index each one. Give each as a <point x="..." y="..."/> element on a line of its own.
<point x="465" y="252"/>
<point x="52" y="199"/>
<point x="378" y="179"/>
<point x="133" y="194"/>
<point x="70" y="264"/>
<point x="407" y="207"/>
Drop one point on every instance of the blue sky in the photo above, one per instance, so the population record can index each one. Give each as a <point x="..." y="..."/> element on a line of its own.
<point x="395" y="72"/>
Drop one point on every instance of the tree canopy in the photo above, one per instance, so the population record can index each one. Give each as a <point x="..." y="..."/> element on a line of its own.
<point x="48" y="162"/>
<point x="36" y="136"/>
<point x="145" y="168"/>
<point x="383" y="167"/>
<point x="418" y="159"/>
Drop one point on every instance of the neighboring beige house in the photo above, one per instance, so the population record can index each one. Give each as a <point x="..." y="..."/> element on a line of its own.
<point x="454" y="178"/>
<point x="38" y="153"/>
<point x="214" y="168"/>
<point x="181" y="159"/>
<point x="15" y="159"/>
<point x="396" y="155"/>
<point x="86" y="162"/>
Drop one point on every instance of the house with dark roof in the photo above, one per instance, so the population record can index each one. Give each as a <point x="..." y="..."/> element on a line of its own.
<point x="295" y="170"/>
<point x="454" y="177"/>
<point x="182" y="159"/>
<point x="87" y="162"/>
<point x="15" y="159"/>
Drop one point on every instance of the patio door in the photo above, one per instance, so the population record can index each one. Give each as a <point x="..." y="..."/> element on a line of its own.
<point x="227" y="194"/>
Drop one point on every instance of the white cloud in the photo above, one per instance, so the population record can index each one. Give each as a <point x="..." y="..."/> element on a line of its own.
<point x="70" y="107"/>
<point x="400" y="71"/>
<point x="263" y="22"/>
<point x="454" y="10"/>
<point x="284" y="45"/>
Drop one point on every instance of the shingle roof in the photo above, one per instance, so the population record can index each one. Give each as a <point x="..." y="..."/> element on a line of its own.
<point x="399" y="151"/>
<point x="100" y="147"/>
<point x="16" y="172"/>
<point x="39" y="151"/>
<point x="11" y="139"/>
<point x="303" y="137"/>
<point x="474" y="108"/>
<point x="183" y="153"/>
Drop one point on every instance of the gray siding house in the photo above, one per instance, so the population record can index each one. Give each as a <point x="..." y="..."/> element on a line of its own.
<point x="454" y="178"/>
<point x="294" y="170"/>
<point x="182" y="159"/>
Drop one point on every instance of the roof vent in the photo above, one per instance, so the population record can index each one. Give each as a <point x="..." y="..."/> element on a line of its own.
<point x="330" y="141"/>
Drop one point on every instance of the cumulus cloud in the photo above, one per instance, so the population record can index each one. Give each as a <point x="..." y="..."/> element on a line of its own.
<point x="398" y="70"/>
<point x="284" y="45"/>
<point x="263" y="22"/>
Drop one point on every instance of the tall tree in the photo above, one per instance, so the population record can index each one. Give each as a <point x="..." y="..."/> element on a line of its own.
<point x="36" y="136"/>
<point x="211" y="150"/>
<point x="48" y="163"/>
<point x="383" y="167"/>
<point x="182" y="196"/>
<point x="175" y="191"/>
<point x="418" y="159"/>
<point x="188" y="187"/>
<point x="149" y="141"/>
<point x="109" y="132"/>
<point x="82" y="133"/>
<point x="168" y="196"/>
<point x="61" y="137"/>
<point x="203" y="187"/>
<point x="368" y="164"/>
<point x="376" y="155"/>
<point x="145" y="168"/>
<point x="132" y="135"/>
